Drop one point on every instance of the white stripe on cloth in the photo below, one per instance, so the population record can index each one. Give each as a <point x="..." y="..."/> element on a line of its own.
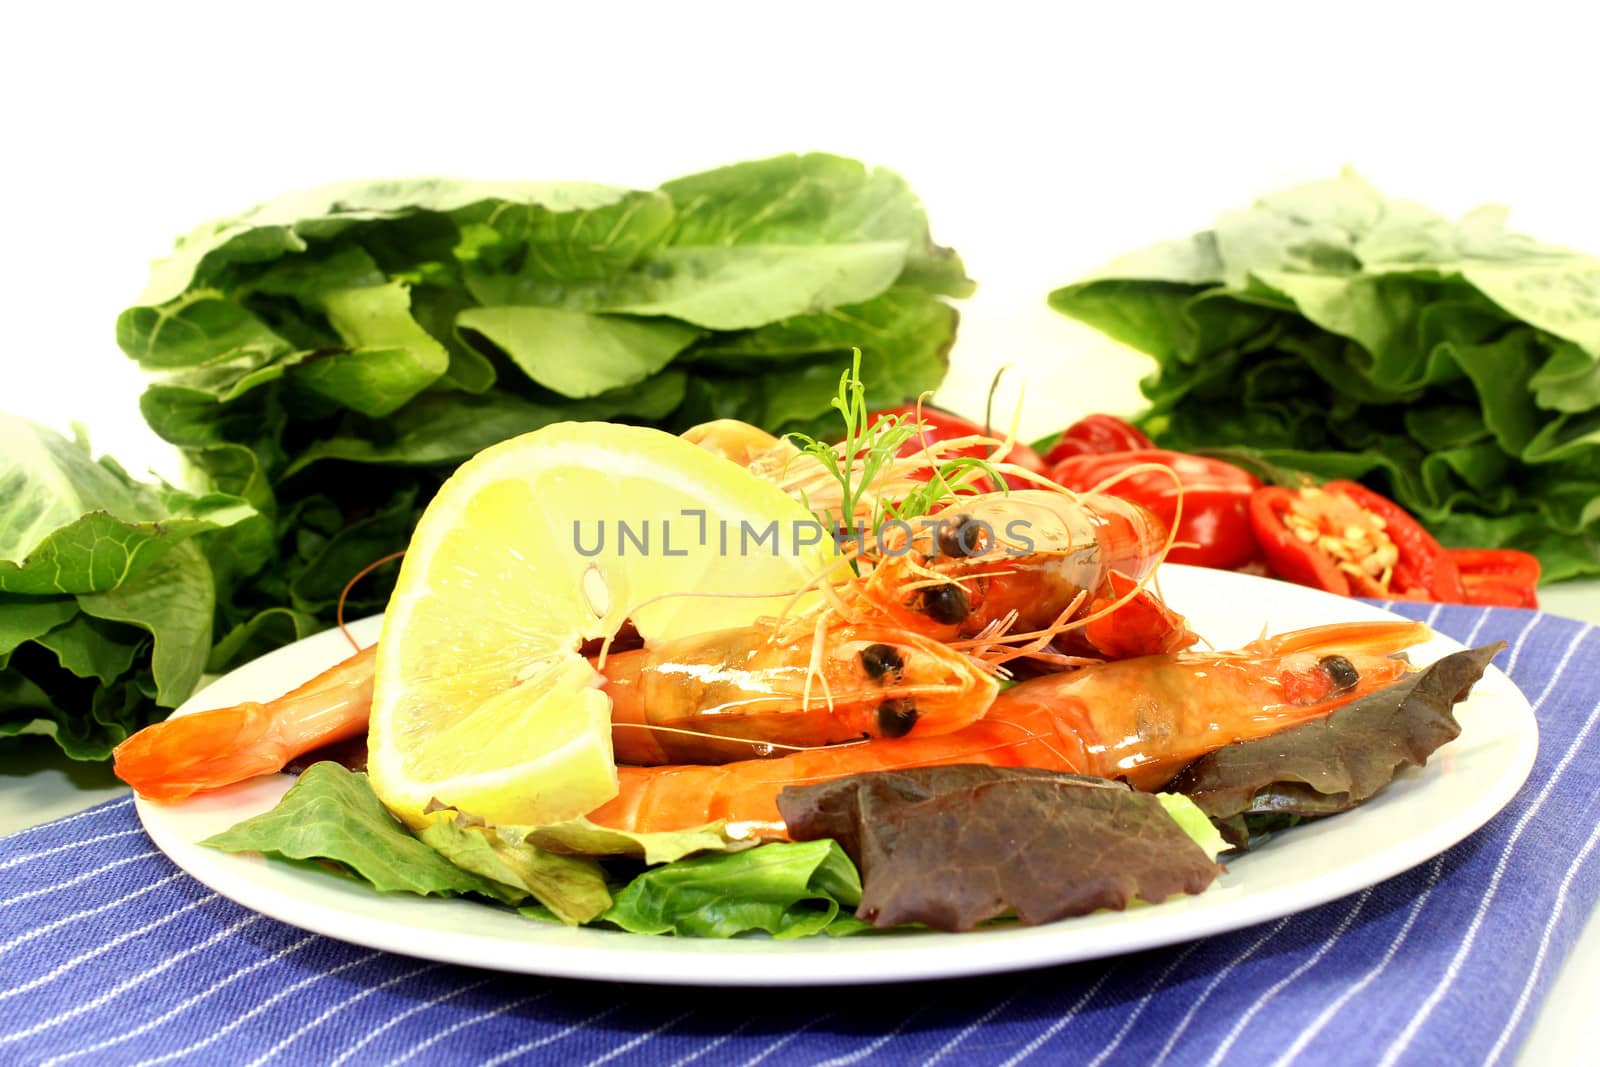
<point x="629" y="1046"/>
<point x="1518" y="643"/>
<point x="1544" y="948"/>
<point x="70" y="882"/>
<point x="550" y="1039"/>
<point x="971" y="1028"/>
<point x="329" y="1013"/>
<point x="100" y="950"/>
<point x="1309" y="1033"/>
<point x="710" y="1045"/>
<point x="454" y="1028"/>
<point x="862" y="1053"/>
<point x="17" y="861"/>
<point x="65" y="920"/>
<point x="183" y="1006"/>
<point x="1060" y="1024"/>
<point x="1217" y="979"/>
<point x="233" y="1024"/>
<point x="109" y="809"/>
<point x="1288" y="980"/>
<point x="138" y="979"/>
<point x="396" y="1020"/>
<point x="1453" y="971"/>
<point x="1144" y="1002"/>
<point x="786" y="1038"/>
<point x="1477" y="627"/>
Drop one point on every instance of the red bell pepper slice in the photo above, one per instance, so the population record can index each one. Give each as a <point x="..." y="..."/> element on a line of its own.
<point x="1095" y="435"/>
<point x="1349" y="540"/>
<point x="1504" y="577"/>
<point x="941" y="425"/>
<point x="1214" y="529"/>
<point x="1424" y="564"/>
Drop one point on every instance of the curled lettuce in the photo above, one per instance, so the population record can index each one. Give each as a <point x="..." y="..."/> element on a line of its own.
<point x="1452" y="364"/>
<point x="106" y="597"/>
<point x="332" y="355"/>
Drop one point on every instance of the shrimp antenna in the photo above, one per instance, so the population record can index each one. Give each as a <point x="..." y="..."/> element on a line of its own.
<point x="752" y="742"/>
<point x="344" y="594"/>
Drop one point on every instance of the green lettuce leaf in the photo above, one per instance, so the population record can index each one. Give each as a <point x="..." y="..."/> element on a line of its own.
<point x="106" y="597"/>
<point x="90" y="648"/>
<point x="804" y="199"/>
<point x="745" y="286"/>
<point x="172" y="601"/>
<point x="575" y="353"/>
<point x="1192" y="820"/>
<point x="786" y="890"/>
<point x="288" y="224"/>
<point x="389" y="359"/>
<point x="24" y="619"/>
<point x="572" y="888"/>
<point x="584" y="838"/>
<point x="331" y="815"/>
<point x="69" y="524"/>
<point x="447" y="428"/>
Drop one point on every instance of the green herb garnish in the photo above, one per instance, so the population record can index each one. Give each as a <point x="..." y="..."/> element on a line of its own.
<point x="870" y="451"/>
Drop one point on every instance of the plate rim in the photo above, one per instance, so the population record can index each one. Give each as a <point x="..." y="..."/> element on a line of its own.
<point x="611" y="955"/>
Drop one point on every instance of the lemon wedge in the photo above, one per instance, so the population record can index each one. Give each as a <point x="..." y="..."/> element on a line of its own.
<point x="482" y="698"/>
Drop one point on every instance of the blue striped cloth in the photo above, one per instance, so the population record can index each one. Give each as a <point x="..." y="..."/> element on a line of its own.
<point x="108" y="954"/>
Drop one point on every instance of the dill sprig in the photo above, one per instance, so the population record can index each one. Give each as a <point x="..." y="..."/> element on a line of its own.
<point x="871" y="449"/>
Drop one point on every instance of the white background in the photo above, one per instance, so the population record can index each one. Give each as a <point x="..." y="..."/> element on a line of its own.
<point x="1042" y="145"/>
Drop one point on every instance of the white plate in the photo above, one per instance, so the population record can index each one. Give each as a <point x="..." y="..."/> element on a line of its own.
<point x="1423" y="813"/>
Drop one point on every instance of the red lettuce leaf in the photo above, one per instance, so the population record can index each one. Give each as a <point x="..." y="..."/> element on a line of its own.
<point x="950" y="847"/>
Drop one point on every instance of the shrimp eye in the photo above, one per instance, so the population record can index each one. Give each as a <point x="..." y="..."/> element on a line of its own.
<point x="964" y="537"/>
<point x="950" y="536"/>
<point x="879" y="660"/>
<point x="946" y="603"/>
<point x="1340" y="671"/>
<point x="896" y="717"/>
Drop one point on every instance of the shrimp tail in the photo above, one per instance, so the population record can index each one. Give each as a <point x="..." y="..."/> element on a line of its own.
<point x="1371" y="638"/>
<point x="179" y="757"/>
